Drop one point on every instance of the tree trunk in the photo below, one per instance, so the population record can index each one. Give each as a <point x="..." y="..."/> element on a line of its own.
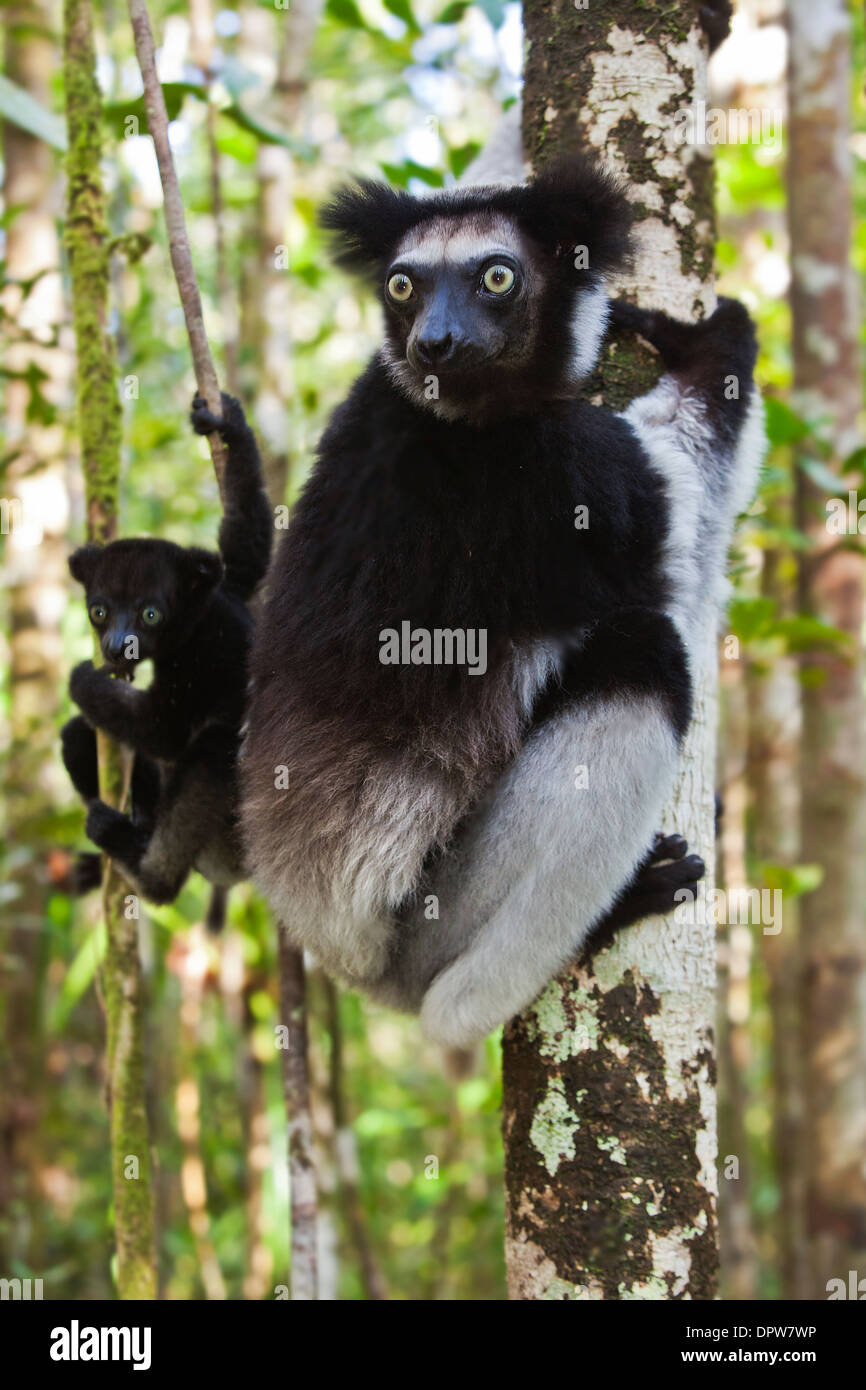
<point x="827" y="384"/>
<point x="99" y="422"/>
<point x="35" y="574"/>
<point x="609" y="1105"/>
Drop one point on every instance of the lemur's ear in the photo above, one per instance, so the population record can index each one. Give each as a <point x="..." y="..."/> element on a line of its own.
<point x="574" y="202"/>
<point x="82" y="563"/>
<point x="204" y="570"/>
<point x="366" y="221"/>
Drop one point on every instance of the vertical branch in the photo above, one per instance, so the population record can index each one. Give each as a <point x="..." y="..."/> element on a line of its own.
<point x="347" y="1150"/>
<point x="609" y="1101"/>
<point x="178" y="241"/>
<point x="296" y="1090"/>
<point x="296" y="1084"/>
<point x="99" y="417"/>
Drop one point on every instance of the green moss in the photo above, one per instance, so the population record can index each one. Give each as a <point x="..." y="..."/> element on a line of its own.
<point x="99" y="421"/>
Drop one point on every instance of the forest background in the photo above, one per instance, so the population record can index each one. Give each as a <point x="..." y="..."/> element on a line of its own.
<point x="270" y="108"/>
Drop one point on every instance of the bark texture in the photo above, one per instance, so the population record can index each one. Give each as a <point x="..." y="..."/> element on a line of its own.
<point x="35" y="590"/>
<point x="99" y="421"/>
<point x="296" y="1091"/>
<point x="827" y="385"/>
<point x="609" y="1108"/>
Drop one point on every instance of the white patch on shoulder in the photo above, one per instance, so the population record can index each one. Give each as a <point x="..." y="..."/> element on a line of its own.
<point x="588" y="325"/>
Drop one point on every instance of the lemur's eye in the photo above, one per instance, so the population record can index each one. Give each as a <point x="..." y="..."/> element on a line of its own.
<point x="151" y="615"/>
<point x="98" y="612"/>
<point x="400" y="287"/>
<point x="498" y="279"/>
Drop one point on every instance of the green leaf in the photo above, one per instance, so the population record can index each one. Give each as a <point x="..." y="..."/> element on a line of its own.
<point x="346" y="12"/>
<point x="81" y="971"/>
<point x="452" y="14"/>
<point x="116" y="113"/>
<point x="793" y="879"/>
<point x="749" y="617"/>
<point x="804" y="632"/>
<point x="402" y="9"/>
<point x="461" y="156"/>
<point x="784" y="425"/>
<point x="265" y="134"/>
<point x="400" y="174"/>
<point x="23" y="110"/>
<point x="821" y="475"/>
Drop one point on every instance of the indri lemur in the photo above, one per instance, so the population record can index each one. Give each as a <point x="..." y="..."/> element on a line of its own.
<point x="186" y="610"/>
<point x="422" y="829"/>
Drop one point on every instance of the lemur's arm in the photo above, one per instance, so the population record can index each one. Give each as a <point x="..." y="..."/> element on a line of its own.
<point x="128" y="715"/>
<point x="247" y="528"/>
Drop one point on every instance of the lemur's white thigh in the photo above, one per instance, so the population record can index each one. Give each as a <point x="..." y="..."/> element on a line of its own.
<point x="545" y="859"/>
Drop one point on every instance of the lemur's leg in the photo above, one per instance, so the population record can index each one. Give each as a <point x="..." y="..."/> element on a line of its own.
<point x="247" y="526"/>
<point x="544" y="859"/>
<point x="146" y="789"/>
<point x="78" y="746"/>
<point x="126" y="714"/>
<point x="196" y="810"/>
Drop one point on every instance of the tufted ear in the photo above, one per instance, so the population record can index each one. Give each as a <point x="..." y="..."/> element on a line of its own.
<point x="366" y="220"/>
<point x="204" y="570"/>
<point x="83" y="561"/>
<point x="573" y="201"/>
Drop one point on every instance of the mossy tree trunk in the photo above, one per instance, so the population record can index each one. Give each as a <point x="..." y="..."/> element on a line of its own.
<point x="827" y="387"/>
<point x="609" y="1106"/>
<point x="99" y="420"/>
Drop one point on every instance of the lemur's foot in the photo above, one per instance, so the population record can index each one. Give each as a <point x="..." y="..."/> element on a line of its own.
<point x="230" y="425"/>
<point x="114" y="832"/>
<point x="667" y="870"/>
<point x="86" y="874"/>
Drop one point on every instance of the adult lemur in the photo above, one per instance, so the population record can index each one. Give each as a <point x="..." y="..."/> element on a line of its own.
<point x="442" y="839"/>
<point x="187" y="611"/>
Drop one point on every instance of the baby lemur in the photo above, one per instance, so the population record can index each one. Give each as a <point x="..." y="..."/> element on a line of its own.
<point x="186" y="610"/>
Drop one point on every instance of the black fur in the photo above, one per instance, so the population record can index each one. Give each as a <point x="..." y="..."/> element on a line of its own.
<point x="184" y="729"/>
<point x="572" y="202"/>
<point x="457" y="510"/>
<point x="716" y="21"/>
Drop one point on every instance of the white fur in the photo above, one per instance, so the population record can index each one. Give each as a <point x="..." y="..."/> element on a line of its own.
<point x="588" y="326"/>
<point x="544" y="860"/>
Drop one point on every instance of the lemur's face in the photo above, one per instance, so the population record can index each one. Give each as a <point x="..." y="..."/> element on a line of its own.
<point x="142" y="596"/>
<point x="494" y="296"/>
<point x="462" y="303"/>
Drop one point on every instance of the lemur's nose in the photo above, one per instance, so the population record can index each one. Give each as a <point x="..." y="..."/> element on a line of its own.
<point x="434" y="351"/>
<point x="115" y="645"/>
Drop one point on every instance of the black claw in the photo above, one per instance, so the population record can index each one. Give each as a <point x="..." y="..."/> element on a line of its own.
<point x="669" y="846"/>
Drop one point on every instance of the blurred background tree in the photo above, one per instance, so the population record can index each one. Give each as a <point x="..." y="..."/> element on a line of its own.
<point x="270" y="108"/>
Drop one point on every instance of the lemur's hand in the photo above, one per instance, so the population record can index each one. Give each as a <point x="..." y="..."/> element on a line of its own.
<point x="84" y="681"/>
<point x="230" y="425"/>
<point x="729" y="326"/>
<point x="98" y="694"/>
